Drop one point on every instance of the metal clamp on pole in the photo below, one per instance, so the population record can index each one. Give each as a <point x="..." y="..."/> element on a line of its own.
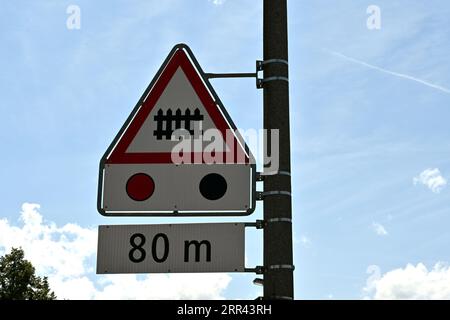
<point x="260" y="64"/>
<point x="282" y="267"/>
<point x="275" y="220"/>
<point x="260" y="176"/>
<point x="261" y="195"/>
<point x="257" y="270"/>
<point x="260" y="82"/>
<point x="260" y="67"/>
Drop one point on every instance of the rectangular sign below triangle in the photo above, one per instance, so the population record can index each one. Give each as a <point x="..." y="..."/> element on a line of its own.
<point x="179" y="153"/>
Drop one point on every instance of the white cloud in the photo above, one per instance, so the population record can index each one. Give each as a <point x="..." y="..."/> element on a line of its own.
<point x="55" y="251"/>
<point x="163" y="286"/>
<point x="411" y="283"/>
<point x="431" y="178"/>
<point x="379" y="229"/>
<point x="66" y="255"/>
<point x="217" y="2"/>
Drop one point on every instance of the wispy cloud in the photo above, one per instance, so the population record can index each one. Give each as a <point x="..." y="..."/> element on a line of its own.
<point x="431" y="178"/>
<point x="379" y="229"/>
<point x="396" y="74"/>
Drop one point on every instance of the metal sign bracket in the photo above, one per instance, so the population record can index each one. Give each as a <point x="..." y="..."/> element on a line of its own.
<point x="260" y="67"/>
<point x="259" y="224"/>
<point x="257" y="270"/>
<point x="260" y="176"/>
<point x="261" y="195"/>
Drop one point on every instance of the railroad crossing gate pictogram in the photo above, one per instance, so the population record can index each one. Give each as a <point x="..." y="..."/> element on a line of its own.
<point x="178" y="153"/>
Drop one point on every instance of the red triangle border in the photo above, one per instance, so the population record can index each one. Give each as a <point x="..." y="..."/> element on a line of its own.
<point x="179" y="59"/>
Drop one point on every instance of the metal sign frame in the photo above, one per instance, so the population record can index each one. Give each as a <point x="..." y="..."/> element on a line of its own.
<point x="203" y="76"/>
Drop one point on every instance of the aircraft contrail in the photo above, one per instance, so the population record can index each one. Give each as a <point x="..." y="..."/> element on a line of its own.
<point x="396" y="74"/>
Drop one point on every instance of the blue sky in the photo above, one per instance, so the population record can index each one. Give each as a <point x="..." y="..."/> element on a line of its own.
<point x="369" y="113"/>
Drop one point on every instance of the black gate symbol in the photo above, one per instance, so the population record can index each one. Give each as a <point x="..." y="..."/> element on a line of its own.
<point x="171" y="122"/>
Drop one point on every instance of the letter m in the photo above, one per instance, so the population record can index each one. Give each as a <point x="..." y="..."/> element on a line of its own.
<point x="197" y="247"/>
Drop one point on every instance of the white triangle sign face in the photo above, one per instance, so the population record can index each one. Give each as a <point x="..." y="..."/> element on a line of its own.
<point x="179" y="152"/>
<point x="178" y="107"/>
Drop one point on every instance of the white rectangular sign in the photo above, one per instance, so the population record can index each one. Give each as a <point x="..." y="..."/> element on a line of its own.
<point x="171" y="248"/>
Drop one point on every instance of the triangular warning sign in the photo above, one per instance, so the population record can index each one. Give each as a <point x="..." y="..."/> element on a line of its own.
<point x="140" y="173"/>
<point x="178" y="98"/>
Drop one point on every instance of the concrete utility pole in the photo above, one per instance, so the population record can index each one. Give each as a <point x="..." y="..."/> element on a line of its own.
<point x="278" y="262"/>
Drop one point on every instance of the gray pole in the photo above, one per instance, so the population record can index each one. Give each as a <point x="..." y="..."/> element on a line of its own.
<point x="278" y="274"/>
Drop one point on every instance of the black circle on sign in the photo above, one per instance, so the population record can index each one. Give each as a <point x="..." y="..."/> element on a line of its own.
<point x="213" y="186"/>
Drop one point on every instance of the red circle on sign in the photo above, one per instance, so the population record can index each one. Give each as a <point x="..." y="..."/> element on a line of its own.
<point x="140" y="187"/>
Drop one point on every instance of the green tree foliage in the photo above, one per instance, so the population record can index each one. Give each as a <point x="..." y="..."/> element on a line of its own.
<point x="18" y="280"/>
